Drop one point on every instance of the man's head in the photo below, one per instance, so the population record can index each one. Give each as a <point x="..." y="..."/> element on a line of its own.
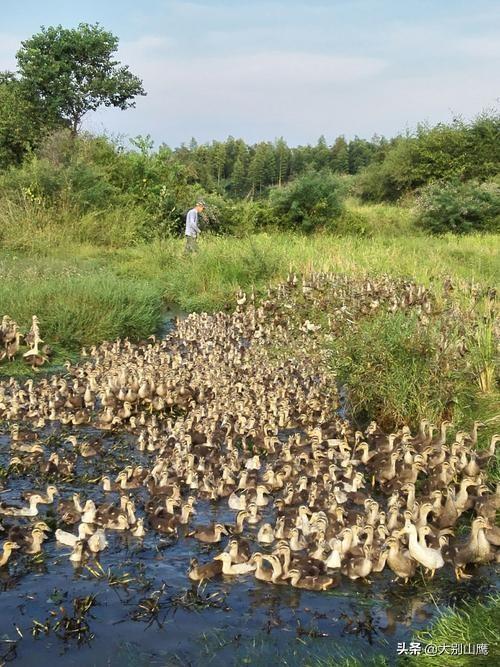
<point x="200" y="206"/>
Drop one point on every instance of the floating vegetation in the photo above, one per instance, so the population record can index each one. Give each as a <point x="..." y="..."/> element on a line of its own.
<point x="67" y="627"/>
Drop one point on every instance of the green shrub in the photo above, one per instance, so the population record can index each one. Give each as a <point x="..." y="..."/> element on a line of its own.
<point x="309" y="202"/>
<point x="371" y="220"/>
<point x="458" y="151"/>
<point x="460" y="208"/>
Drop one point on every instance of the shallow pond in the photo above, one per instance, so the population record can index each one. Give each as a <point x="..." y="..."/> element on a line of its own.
<point x="143" y="610"/>
<point x="146" y="611"/>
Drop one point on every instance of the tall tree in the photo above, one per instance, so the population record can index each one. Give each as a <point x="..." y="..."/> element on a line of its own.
<point x="72" y="71"/>
<point x="321" y="154"/>
<point x="282" y="153"/>
<point x="340" y="156"/>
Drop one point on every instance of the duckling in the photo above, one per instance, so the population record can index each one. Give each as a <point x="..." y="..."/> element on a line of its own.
<point x="31" y="510"/>
<point x="233" y="569"/>
<point x="265" y="534"/>
<point x="203" y="572"/>
<point x="400" y="562"/>
<point x="358" y="567"/>
<point x="318" y="583"/>
<point x="8" y="548"/>
<point x="209" y="534"/>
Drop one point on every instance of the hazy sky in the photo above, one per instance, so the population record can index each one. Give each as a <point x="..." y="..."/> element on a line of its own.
<point x="263" y="69"/>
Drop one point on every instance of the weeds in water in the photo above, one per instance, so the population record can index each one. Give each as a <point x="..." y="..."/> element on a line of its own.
<point x="8" y="650"/>
<point x="195" y="599"/>
<point x="66" y="627"/>
<point x="114" y="577"/>
<point x="148" y="609"/>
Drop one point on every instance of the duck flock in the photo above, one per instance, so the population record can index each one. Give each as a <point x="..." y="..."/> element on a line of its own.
<point x="239" y="409"/>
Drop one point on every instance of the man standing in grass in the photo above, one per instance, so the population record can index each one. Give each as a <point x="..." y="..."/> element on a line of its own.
<point x="192" y="229"/>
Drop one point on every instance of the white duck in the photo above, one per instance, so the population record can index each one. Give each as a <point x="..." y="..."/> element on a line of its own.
<point x="31" y="510"/>
<point x="233" y="569"/>
<point x="432" y="559"/>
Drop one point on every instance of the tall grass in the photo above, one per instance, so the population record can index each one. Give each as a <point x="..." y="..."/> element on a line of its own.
<point x="484" y="349"/>
<point x="77" y="303"/>
<point x="474" y="623"/>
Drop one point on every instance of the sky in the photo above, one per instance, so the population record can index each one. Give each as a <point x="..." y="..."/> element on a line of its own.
<point x="263" y="69"/>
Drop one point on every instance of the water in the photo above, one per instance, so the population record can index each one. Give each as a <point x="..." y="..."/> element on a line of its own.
<point x="248" y="620"/>
<point x="230" y="621"/>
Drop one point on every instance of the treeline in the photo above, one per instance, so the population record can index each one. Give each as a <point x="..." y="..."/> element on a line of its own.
<point x="53" y="176"/>
<point x="239" y="169"/>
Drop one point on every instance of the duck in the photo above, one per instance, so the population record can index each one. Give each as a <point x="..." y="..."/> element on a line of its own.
<point x="237" y="502"/>
<point x="265" y="534"/>
<point x="431" y="559"/>
<point x="35" y="543"/>
<point x="334" y="559"/>
<point x="69" y="539"/>
<point x="139" y="530"/>
<point x="97" y="541"/>
<point x="400" y="562"/>
<point x="358" y="567"/>
<point x="209" y="534"/>
<point x="8" y="548"/>
<point x="31" y="510"/>
<point x="310" y="583"/>
<point x="297" y="541"/>
<point x="476" y="549"/>
<point x="201" y="573"/>
<point x="237" y="529"/>
<point x="76" y="556"/>
<point x="234" y="569"/>
<point x="45" y="499"/>
<point x="239" y="550"/>
<point x="260" y="572"/>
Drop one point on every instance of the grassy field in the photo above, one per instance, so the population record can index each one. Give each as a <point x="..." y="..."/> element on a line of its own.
<point x="85" y="294"/>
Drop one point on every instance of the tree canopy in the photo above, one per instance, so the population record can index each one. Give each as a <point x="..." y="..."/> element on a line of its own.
<point x="71" y="71"/>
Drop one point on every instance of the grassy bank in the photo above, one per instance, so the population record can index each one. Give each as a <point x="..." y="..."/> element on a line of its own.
<point x="115" y="292"/>
<point x="474" y="623"/>
<point x="84" y="294"/>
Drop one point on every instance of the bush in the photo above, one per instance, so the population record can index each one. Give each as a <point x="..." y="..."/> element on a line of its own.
<point x="460" y="208"/>
<point x="373" y="220"/>
<point x="307" y="203"/>
<point x="463" y="151"/>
